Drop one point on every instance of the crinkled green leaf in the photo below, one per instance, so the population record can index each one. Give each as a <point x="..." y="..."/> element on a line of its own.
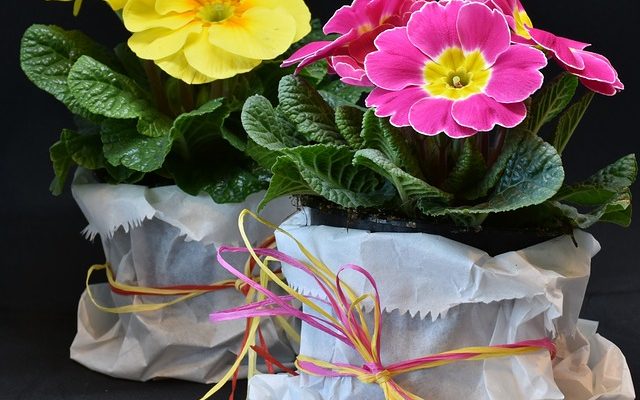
<point x="329" y="171"/>
<point x="286" y="181"/>
<point x="569" y="122"/>
<point x="528" y="172"/>
<point x="105" y="92"/>
<point x="47" y="54"/>
<point x="551" y="101"/>
<point x="312" y="116"/>
<point x="123" y="145"/>
<point x="410" y="188"/>
<point x="235" y="184"/>
<point x="379" y="134"/>
<point x="603" y="185"/>
<point x="267" y="127"/>
<point x="349" y="123"/>
<point x="337" y="93"/>
<point x="469" y="169"/>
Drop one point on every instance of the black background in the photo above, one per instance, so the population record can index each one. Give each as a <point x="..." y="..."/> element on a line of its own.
<point x="44" y="257"/>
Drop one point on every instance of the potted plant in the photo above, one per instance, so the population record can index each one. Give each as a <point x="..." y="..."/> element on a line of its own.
<point x="448" y="186"/>
<point x="165" y="166"/>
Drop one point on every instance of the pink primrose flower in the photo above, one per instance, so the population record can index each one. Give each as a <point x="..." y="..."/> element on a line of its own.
<point x="594" y="70"/>
<point x="358" y="26"/>
<point x="453" y="69"/>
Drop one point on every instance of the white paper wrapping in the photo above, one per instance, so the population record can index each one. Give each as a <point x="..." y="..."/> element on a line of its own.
<point x="164" y="237"/>
<point x="441" y="295"/>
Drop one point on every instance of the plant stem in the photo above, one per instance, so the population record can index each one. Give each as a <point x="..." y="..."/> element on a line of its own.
<point x="157" y="88"/>
<point x="186" y="97"/>
<point x="497" y="148"/>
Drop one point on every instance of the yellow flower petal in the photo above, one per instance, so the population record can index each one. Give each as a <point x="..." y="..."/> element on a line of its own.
<point x="117" y="4"/>
<point x="216" y="62"/>
<point x="166" y="6"/>
<point x="140" y="15"/>
<point x="178" y="67"/>
<point x="259" y="33"/>
<point x="156" y="43"/>
<point x="296" y="8"/>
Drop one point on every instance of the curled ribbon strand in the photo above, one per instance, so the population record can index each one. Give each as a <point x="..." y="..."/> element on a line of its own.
<point x="253" y="333"/>
<point x="346" y="321"/>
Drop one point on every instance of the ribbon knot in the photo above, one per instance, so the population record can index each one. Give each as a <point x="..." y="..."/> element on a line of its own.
<point x="376" y="374"/>
<point x="242" y="287"/>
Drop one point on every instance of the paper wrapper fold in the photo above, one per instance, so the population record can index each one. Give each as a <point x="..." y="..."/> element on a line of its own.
<point x="158" y="237"/>
<point x="441" y="295"/>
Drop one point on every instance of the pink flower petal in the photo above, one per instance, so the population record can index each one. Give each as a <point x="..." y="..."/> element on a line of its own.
<point x="432" y="29"/>
<point x="562" y="48"/>
<point x="431" y="115"/>
<point x="350" y="71"/>
<point x="398" y="63"/>
<point x="516" y="74"/>
<point x="483" y="29"/>
<point x="362" y="46"/>
<point x="603" y="88"/>
<point x="347" y="18"/>
<point x="306" y="51"/>
<point x="596" y="68"/>
<point x="483" y="113"/>
<point x="395" y="104"/>
<point x="316" y="51"/>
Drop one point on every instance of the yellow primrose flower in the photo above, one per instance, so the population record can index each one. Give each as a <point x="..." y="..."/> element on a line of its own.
<point x="199" y="41"/>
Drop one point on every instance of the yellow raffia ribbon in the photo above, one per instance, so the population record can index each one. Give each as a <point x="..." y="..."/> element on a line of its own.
<point x="351" y="326"/>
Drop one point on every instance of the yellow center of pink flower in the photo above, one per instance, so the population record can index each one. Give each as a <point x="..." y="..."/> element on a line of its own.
<point x="455" y="75"/>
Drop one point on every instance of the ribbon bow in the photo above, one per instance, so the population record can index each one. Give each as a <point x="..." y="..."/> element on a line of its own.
<point x="346" y="319"/>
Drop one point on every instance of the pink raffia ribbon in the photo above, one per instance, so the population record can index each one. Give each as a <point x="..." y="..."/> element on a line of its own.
<point x="346" y="321"/>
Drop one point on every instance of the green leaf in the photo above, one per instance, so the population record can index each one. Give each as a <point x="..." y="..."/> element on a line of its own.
<point x="329" y="171"/>
<point x="528" y="172"/>
<point x="62" y="162"/>
<point x="603" y="185"/>
<point x="267" y="127"/>
<point x="47" y="54"/>
<point x="235" y="184"/>
<point x="379" y="134"/>
<point x="105" y="92"/>
<point x="303" y="105"/>
<point x="315" y="72"/>
<point x="286" y="181"/>
<point x="121" y="174"/>
<point x="551" y="101"/>
<point x="123" y="145"/>
<point x="469" y="169"/>
<point x="337" y="93"/>
<point x="410" y="188"/>
<point x="74" y="149"/>
<point x="569" y="122"/>
<point x="349" y="123"/>
<point x="200" y="124"/>
<point x="617" y="210"/>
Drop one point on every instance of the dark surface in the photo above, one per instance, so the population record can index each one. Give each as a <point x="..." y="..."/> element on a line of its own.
<point x="44" y="257"/>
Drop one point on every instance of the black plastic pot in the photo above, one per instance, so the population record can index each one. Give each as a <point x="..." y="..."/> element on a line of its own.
<point x="494" y="241"/>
